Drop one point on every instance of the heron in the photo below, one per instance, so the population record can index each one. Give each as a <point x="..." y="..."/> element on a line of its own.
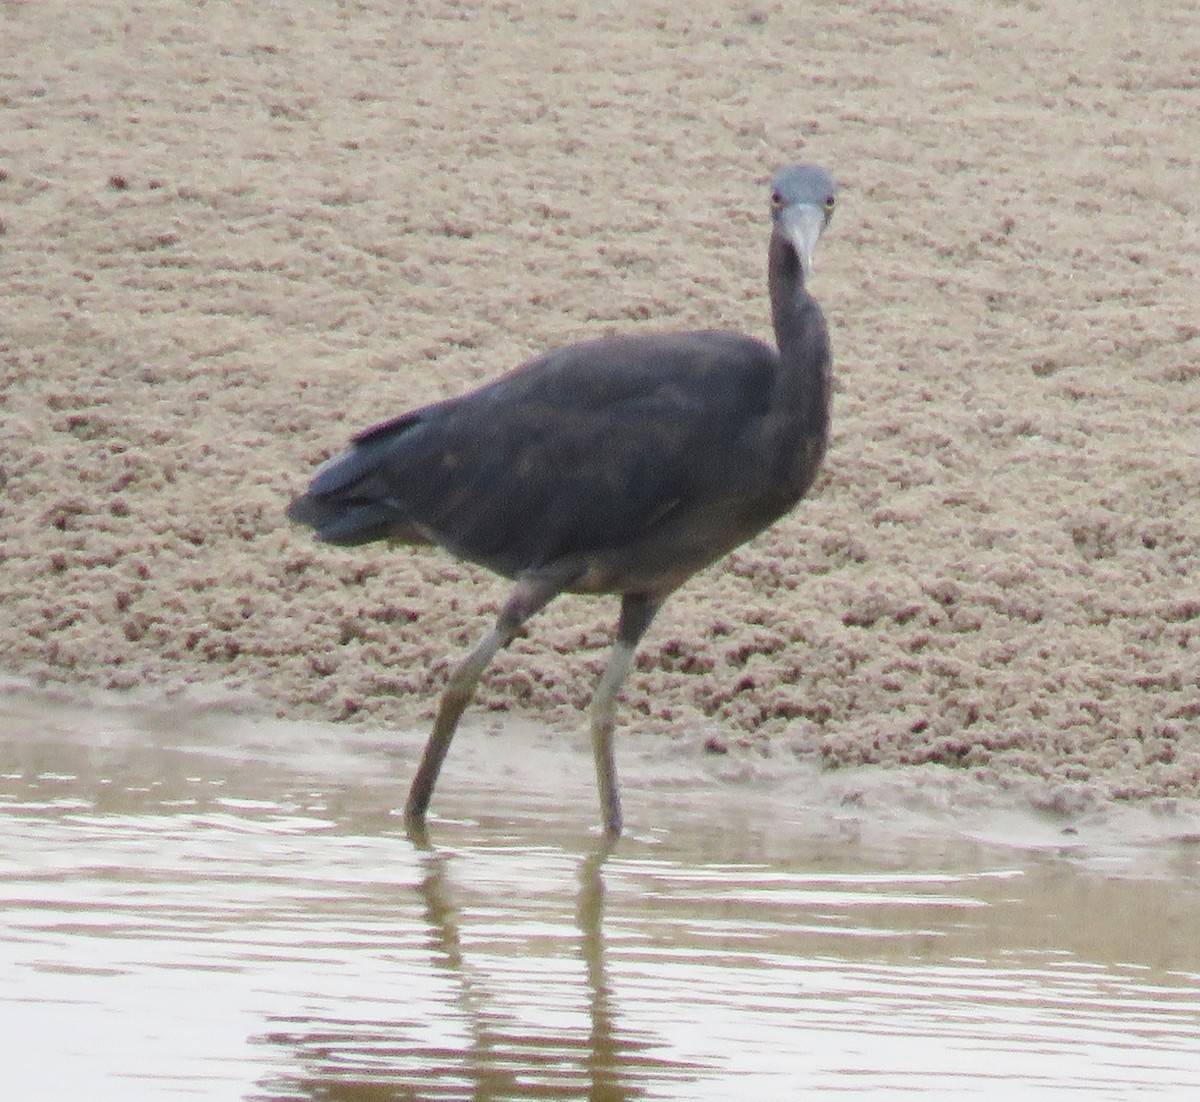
<point x="620" y="465"/>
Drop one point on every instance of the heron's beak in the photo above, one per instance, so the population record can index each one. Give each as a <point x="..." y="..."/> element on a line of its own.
<point x="803" y="225"/>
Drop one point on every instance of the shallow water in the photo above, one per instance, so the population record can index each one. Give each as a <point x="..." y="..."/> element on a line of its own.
<point x="197" y="906"/>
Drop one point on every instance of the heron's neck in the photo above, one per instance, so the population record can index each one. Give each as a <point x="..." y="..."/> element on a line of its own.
<point x="792" y="307"/>
<point x="788" y="294"/>
<point x="801" y="337"/>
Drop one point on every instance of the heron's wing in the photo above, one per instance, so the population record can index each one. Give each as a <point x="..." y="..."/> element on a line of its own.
<point x="581" y="450"/>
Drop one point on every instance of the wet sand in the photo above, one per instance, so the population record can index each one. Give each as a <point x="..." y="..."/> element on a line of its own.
<point x="231" y="235"/>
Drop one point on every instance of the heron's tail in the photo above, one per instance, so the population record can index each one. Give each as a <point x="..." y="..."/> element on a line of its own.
<point x="353" y="498"/>
<point x="345" y="522"/>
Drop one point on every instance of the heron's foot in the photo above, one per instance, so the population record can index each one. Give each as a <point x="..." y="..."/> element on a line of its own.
<point x="414" y="824"/>
<point x="610" y="799"/>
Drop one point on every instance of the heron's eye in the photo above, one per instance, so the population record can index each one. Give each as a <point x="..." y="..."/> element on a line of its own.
<point x="776" y="200"/>
<point x="829" y="202"/>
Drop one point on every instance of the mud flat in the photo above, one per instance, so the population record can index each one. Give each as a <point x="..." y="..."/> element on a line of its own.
<point x="232" y="235"/>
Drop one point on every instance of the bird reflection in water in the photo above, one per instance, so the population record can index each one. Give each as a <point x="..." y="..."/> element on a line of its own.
<point x="488" y="1045"/>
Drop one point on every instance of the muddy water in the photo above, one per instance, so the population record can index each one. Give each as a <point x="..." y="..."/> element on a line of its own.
<point x="197" y="906"/>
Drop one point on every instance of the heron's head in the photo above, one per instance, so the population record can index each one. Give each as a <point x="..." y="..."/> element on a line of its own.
<point x="802" y="201"/>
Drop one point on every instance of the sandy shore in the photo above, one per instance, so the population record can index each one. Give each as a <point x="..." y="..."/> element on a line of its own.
<point x="233" y="233"/>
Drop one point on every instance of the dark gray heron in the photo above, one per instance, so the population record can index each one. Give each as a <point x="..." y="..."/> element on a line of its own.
<point x="620" y="465"/>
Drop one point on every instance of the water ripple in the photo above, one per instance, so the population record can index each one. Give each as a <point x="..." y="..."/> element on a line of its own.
<point x="221" y="929"/>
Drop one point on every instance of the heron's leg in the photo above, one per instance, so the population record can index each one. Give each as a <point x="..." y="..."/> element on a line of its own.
<point x="525" y="600"/>
<point x="637" y="611"/>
